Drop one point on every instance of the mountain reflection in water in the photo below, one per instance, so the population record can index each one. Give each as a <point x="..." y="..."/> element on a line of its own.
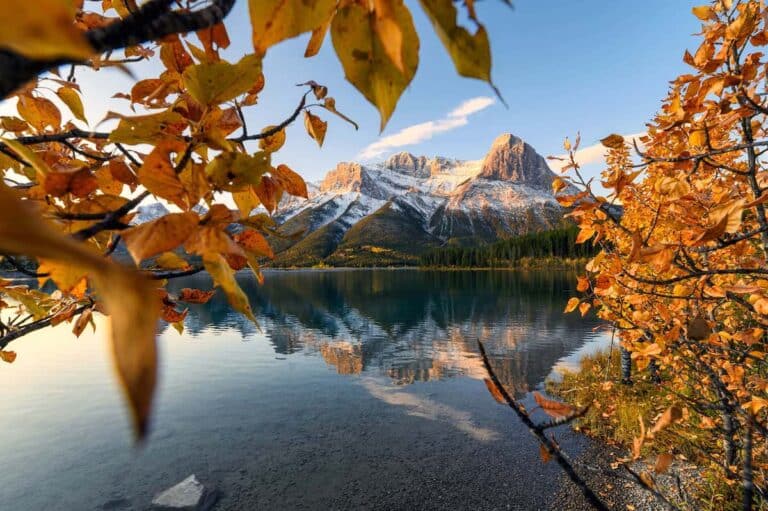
<point x="410" y="325"/>
<point x="362" y="391"/>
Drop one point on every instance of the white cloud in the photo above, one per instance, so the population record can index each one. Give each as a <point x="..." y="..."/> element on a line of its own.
<point x="593" y="154"/>
<point x="417" y="133"/>
<point x="472" y="106"/>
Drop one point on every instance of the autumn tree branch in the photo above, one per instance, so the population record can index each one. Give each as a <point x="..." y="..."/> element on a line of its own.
<point x="152" y="21"/>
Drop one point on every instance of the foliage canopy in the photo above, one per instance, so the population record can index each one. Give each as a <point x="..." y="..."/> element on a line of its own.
<point x="69" y="193"/>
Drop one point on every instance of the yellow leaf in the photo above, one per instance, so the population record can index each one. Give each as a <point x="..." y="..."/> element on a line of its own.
<point x="471" y="53"/>
<point x="729" y="214"/>
<point x="68" y="278"/>
<point x="698" y="138"/>
<point x="224" y="277"/>
<point x="389" y="32"/>
<point x="147" y="129"/>
<point x="703" y="12"/>
<point x="316" y="40"/>
<point x="276" y="20"/>
<point x="365" y="61"/>
<point x="158" y="236"/>
<point x="171" y="261"/>
<point x="272" y="142"/>
<point x="39" y="112"/>
<point x="158" y="176"/>
<point x="671" y="188"/>
<point x="127" y="296"/>
<point x="246" y="201"/>
<point x="211" y="83"/>
<point x="316" y="127"/>
<point x="571" y="305"/>
<point x="71" y="98"/>
<point x="558" y="184"/>
<point x="29" y="156"/>
<point x="44" y="30"/>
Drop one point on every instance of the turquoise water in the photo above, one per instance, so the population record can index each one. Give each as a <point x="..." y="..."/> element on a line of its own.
<point x="363" y="389"/>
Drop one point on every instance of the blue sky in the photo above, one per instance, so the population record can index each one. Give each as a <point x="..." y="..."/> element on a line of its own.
<point x="595" y="66"/>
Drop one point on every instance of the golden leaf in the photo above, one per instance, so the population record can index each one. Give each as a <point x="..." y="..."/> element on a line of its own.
<point x="45" y="30"/>
<point x="572" y="304"/>
<point x="272" y="142"/>
<point x="148" y="129"/>
<point x="364" y="59"/>
<point x="276" y="20"/>
<point x="316" y="40"/>
<point x="253" y="241"/>
<point x="316" y="127"/>
<point x="224" y="277"/>
<point x="290" y="181"/>
<point x="159" y="177"/>
<point x="471" y="53"/>
<point x="160" y="235"/>
<point x="703" y="12"/>
<point x="71" y="98"/>
<point x="211" y="83"/>
<point x="127" y="296"/>
<point x="171" y="261"/>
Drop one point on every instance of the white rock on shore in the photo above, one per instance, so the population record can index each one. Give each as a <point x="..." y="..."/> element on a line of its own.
<point x="188" y="495"/>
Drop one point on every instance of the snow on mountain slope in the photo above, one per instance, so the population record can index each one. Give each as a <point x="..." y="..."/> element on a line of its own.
<point x="506" y="193"/>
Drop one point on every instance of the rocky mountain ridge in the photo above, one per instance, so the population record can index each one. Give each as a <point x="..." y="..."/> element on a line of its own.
<point x="390" y="212"/>
<point x="394" y="210"/>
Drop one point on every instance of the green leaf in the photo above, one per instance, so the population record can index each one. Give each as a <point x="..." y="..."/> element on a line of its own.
<point x="211" y="83"/>
<point x="366" y="63"/>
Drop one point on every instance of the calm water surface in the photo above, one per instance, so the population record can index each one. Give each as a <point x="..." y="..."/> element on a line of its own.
<point x="364" y="389"/>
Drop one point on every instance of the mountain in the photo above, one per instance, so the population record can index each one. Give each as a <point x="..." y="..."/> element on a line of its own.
<point x="391" y="212"/>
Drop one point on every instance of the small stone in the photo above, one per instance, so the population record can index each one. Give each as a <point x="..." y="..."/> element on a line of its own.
<point x="188" y="495"/>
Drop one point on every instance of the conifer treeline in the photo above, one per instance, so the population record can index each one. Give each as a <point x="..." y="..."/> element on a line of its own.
<point x="557" y="243"/>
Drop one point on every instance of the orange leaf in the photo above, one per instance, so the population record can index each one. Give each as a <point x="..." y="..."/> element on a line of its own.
<point x="497" y="395"/>
<point x="663" y="461"/>
<point x="552" y="408"/>
<point x="290" y="181"/>
<point x="195" y="295"/>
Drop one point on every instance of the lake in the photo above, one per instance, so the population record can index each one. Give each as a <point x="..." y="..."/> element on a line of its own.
<point x="363" y="389"/>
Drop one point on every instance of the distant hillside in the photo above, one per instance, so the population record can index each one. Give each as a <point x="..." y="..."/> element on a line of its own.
<point x="546" y="246"/>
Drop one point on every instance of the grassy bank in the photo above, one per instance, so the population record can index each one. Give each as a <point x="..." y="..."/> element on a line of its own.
<point x="614" y="417"/>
